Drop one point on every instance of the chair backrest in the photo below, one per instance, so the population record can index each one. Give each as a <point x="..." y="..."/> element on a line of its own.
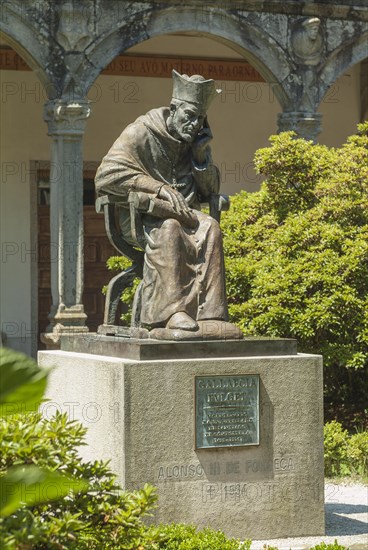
<point x="107" y="204"/>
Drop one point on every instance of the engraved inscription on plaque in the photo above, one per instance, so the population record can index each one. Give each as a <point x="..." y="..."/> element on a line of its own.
<point x="227" y="411"/>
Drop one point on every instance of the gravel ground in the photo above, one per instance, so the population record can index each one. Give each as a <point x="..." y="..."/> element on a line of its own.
<point x="346" y="507"/>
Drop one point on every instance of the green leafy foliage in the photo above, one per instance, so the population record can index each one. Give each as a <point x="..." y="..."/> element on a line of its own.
<point x="335" y="449"/>
<point x="358" y="453"/>
<point x="29" y="485"/>
<point x="345" y="454"/>
<point x="297" y="258"/>
<point x="329" y="546"/>
<point x="22" y="382"/>
<point x="187" y="537"/>
<point x="103" y="517"/>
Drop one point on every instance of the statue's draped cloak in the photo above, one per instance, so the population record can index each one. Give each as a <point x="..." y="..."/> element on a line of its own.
<point x="184" y="268"/>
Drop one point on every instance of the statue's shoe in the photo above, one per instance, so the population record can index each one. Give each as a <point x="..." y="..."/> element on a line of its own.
<point x="181" y="321"/>
<point x="211" y="329"/>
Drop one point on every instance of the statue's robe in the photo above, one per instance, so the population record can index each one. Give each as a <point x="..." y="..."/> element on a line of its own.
<point x="183" y="268"/>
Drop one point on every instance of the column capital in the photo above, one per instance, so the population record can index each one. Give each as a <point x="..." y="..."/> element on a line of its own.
<point x="67" y="117"/>
<point x="306" y="125"/>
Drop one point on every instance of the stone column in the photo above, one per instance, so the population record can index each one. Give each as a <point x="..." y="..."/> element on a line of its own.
<point x="66" y="123"/>
<point x="306" y="125"/>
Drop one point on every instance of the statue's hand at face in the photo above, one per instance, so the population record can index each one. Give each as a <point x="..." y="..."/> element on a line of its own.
<point x="201" y="142"/>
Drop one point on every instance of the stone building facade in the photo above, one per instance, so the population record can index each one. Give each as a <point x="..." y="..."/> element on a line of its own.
<point x="299" y="48"/>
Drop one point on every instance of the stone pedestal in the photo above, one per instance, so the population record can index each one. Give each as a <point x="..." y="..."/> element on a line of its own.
<point x="141" y="414"/>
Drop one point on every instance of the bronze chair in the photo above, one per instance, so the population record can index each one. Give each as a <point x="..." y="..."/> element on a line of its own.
<point x="138" y="203"/>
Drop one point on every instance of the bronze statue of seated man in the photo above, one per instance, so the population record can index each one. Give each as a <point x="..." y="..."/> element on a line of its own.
<point x="162" y="164"/>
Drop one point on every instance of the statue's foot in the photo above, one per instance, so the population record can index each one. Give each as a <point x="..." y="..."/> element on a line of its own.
<point x="181" y="321"/>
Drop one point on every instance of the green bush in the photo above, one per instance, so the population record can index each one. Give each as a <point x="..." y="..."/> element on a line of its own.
<point x="104" y="517"/>
<point x="332" y="546"/>
<point x="345" y="454"/>
<point x="22" y="382"/>
<point x="22" y="385"/>
<point x="335" y="449"/>
<point x="186" y="537"/>
<point x="357" y="453"/>
<point x="297" y="259"/>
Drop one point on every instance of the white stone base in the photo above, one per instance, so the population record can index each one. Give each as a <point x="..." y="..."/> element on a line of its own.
<point x="141" y="416"/>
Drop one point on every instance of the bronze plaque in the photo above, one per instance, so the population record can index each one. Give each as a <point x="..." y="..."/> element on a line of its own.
<point x="227" y="411"/>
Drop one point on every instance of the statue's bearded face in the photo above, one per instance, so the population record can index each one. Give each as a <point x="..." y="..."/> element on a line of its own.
<point x="186" y="119"/>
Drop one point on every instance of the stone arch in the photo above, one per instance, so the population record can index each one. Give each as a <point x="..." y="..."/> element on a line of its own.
<point x="246" y="38"/>
<point x="341" y="59"/>
<point x="19" y="33"/>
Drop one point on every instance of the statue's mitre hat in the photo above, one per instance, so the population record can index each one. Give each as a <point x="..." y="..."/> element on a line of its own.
<point x="194" y="89"/>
